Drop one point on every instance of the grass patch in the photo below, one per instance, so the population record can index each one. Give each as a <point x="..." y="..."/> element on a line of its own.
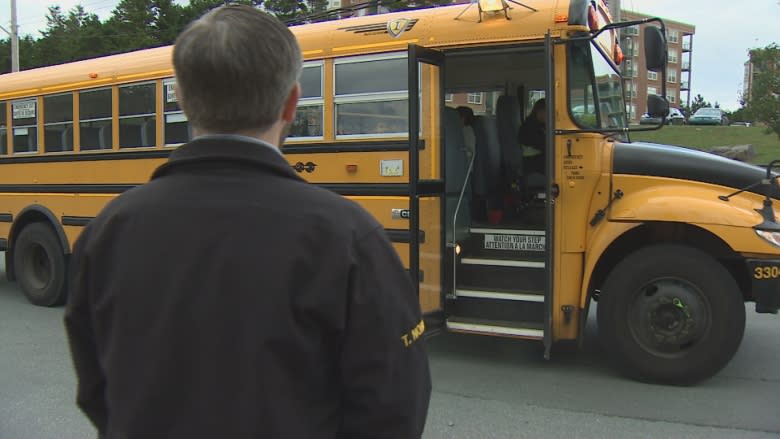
<point x="767" y="146"/>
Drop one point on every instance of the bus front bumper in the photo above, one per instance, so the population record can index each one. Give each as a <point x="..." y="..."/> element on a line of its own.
<point x="765" y="284"/>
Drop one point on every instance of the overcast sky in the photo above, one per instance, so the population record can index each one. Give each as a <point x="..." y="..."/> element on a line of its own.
<point x="725" y="30"/>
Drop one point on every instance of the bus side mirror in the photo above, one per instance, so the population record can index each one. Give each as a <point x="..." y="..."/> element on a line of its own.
<point x="657" y="106"/>
<point x="655" y="49"/>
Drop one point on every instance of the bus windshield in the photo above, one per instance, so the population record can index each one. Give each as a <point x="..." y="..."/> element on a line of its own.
<point x="595" y="89"/>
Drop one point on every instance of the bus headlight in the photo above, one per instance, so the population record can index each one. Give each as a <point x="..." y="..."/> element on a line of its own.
<point x="769" y="236"/>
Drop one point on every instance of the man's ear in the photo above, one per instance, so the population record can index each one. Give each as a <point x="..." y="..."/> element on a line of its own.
<point x="291" y="104"/>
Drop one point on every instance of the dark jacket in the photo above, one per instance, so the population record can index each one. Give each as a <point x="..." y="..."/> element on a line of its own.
<point x="228" y="298"/>
<point x="532" y="133"/>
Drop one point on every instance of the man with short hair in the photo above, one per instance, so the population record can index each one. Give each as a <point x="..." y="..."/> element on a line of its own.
<point x="229" y="298"/>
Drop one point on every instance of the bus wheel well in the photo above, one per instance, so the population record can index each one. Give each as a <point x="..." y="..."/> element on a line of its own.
<point x="30" y="215"/>
<point x="679" y="233"/>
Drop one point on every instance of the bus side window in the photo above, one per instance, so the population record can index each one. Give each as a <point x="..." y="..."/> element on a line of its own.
<point x="95" y="119"/>
<point x="25" y="125"/>
<point x="308" y="117"/>
<point x="3" y="130"/>
<point x="176" y="128"/>
<point x="371" y="96"/>
<point x="137" y="115"/>
<point x="58" y="122"/>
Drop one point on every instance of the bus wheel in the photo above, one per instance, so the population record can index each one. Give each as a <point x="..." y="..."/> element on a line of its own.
<point x="670" y="314"/>
<point x="39" y="264"/>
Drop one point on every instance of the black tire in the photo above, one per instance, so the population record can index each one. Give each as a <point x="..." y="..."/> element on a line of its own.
<point x="670" y="314"/>
<point x="39" y="265"/>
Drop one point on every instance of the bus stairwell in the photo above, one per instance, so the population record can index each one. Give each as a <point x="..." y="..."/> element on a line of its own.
<point x="499" y="283"/>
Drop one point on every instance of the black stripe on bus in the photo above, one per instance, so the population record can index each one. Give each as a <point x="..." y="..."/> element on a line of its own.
<point x="424" y="188"/>
<point x="6" y="218"/>
<point x="403" y="236"/>
<point x="66" y="188"/>
<point x="88" y="157"/>
<point x="387" y="189"/>
<point x="164" y="153"/>
<point x="76" y="220"/>
<point x="313" y="148"/>
<point x="3" y="244"/>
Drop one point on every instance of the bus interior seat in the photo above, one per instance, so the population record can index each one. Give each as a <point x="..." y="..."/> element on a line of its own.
<point x="508" y="127"/>
<point x="148" y="134"/>
<point x="487" y="172"/>
<point x="130" y="135"/>
<point x="105" y="137"/>
<point x="95" y="137"/>
<point x="176" y="133"/>
<point x="67" y="138"/>
<point x="50" y="140"/>
<point x="456" y="169"/>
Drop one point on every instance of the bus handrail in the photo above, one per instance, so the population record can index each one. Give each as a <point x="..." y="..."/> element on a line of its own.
<point x="455" y="222"/>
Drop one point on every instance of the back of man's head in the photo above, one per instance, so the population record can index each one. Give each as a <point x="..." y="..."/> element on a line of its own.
<point x="235" y="68"/>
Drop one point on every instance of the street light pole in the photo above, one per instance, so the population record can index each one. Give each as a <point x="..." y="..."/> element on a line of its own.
<point x="614" y="9"/>
<point x="14" y="34"/>
<point x="14" y="39"/>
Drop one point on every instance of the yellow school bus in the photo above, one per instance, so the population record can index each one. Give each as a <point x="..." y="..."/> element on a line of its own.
<point x="670" y="242"/>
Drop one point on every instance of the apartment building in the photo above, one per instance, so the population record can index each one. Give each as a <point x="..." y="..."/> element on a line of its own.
<point x="678" y="74"/>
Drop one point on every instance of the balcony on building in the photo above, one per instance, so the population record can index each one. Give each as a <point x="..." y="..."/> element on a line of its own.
<point x="686" y="43"/>
<point x="684" y="85"/>
<point x="633" y="30"/>
<point x="686" y="66"/>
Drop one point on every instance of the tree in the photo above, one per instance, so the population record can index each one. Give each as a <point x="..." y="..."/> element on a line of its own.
<point x="698" y="102"/>
<point x="764" y="100"/>
<point x="287" y="9"/>
<point x="77" y="35"/>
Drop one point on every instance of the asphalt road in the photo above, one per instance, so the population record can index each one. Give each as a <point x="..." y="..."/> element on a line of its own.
<point x="483" y="387"/>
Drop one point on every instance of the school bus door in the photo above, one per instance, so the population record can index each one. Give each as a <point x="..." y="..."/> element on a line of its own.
<point x="426" y="183"/>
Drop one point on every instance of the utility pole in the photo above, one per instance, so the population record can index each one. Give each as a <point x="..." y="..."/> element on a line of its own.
<point x="614" y="9"/>
<point x="14" y="34"/>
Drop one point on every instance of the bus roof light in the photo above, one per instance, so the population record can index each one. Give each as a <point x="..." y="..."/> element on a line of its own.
<point x="93" y="75"/>
<point x="492" y="5"/>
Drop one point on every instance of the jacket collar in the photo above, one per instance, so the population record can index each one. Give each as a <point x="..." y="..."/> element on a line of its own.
<point x="230" y="150"/>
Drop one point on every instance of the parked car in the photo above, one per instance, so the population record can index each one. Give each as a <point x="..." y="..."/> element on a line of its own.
<point x="675" y="117"/>
<point x="708" y="116"/>
<point x="645" y="119"/>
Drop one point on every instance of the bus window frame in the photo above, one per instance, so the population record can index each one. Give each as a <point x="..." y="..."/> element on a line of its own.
<point x="72" y="122"/>
<point x="368" y="97"/>
<point x="163" y="94"/>
<point x="4" y="128"/>
<point x="592" y="37"/>
<point x="120" y="117"/>
<point x="592" y="83"/>
<point x="313" y="102"/>
<point x="14" y="127"/>
<point x="110" y="118"/>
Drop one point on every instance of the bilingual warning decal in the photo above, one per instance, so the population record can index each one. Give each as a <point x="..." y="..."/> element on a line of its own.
<point x="515" y="242"/>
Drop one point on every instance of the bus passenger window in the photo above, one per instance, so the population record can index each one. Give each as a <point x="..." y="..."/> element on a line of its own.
<point x="58" y="123"/>
<point x="95" y="119"/>
<point x="137" y="115"/>
<point x="25" y="125"/>
<point x="176" y="129"/>
<point x="3" y="130"/>
<point x="371" y="96"/>
<point x="308" y="117"/>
